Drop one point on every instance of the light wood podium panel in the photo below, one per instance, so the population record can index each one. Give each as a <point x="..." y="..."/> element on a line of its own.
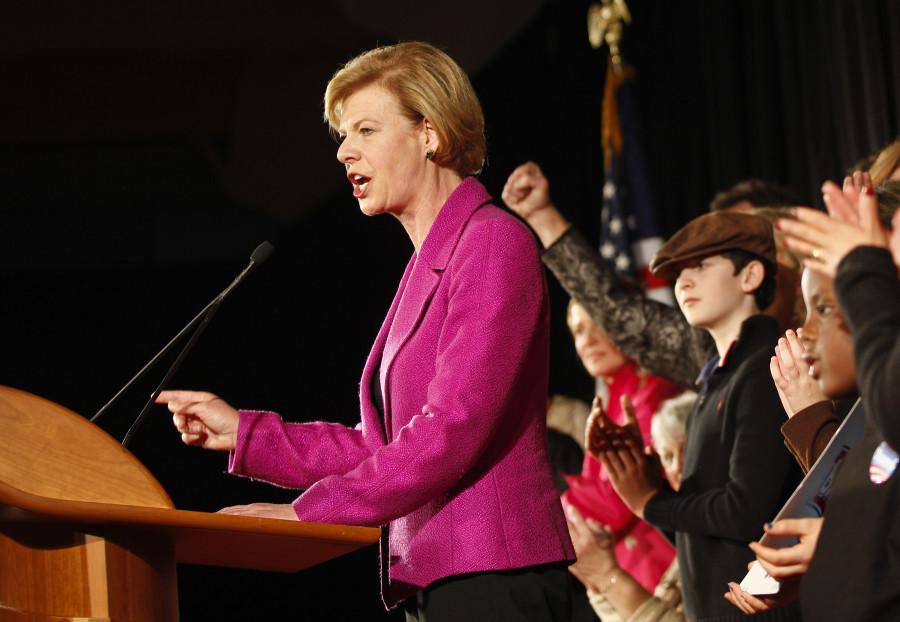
<point x="87" y="533"/>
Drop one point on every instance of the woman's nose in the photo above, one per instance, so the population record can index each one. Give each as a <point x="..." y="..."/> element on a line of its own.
<point x="345" y="152"/>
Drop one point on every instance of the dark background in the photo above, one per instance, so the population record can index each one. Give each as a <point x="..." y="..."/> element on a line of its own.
<point x="146" y="148"/>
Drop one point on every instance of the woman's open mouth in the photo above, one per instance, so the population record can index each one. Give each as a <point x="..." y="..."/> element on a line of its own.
<point x="360" y="184"/>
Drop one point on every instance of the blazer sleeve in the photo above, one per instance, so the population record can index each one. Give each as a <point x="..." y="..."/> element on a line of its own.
<point x="869" y="292"/>
<point x="293" y="455"/>
<point x="808" y="432"/>
<point x="496" y="323"/>
<point x="652" y="333"/>
<point x="760" y="472"/>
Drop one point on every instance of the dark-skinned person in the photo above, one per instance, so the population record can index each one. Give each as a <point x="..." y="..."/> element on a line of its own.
<point x="848" y="560"/>
<point x="737" y="471"/>
<point x="450" y="455"/>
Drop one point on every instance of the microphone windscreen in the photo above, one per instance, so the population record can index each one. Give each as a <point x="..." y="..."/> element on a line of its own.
<point x="262" y="253"/>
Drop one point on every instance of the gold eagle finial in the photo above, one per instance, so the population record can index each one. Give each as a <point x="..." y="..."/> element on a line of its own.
<point x="605" y="21"/>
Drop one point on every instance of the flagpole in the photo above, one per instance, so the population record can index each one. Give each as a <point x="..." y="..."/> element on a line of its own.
<point x="606" y="20"/>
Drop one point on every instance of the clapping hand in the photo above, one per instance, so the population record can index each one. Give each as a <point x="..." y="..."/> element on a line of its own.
<point x="593" y="549"/>
<point x="790" y="372"/>
<point x="852" y="221"/>
<point x="635" y="476"/>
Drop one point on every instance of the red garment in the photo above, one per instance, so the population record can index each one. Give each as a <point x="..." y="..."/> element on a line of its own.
<point x="641" y="550"/>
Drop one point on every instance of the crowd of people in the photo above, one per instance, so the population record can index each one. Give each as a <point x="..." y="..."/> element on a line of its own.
<point x="771" y="395"/>
<point x="714" y="408"/>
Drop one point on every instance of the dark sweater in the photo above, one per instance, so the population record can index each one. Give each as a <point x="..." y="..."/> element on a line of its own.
<point x="737" y="475"/>
<point x="855" y="572"/>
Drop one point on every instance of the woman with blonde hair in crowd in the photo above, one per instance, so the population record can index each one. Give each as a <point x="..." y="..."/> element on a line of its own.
<point x="642" y="551"/>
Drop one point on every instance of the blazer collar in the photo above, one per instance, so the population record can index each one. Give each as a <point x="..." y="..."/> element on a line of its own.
<point x="438" y="247"/>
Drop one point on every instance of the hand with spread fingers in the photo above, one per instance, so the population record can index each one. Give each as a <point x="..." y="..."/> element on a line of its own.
<point x="854" y="185"/>
<point x="282" y="511"/>
<point x="602" y="433"/>
<point x="796" y="388"/>
<point x="635" y="475"/>
<point x="204" y="419"/>
<point x="825" y="240"/>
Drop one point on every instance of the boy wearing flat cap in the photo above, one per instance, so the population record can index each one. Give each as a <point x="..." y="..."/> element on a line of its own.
<point x="737" y="472"/>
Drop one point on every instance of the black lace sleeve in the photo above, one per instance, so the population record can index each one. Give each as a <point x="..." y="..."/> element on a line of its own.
<point x="652" y="333"/>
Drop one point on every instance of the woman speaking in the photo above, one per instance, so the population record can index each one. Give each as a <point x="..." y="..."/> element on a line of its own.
<point x="450" y="453"/>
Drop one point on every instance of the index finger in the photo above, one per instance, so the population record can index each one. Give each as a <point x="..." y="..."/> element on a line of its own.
<point x="184" y="396"/>
<point x="869" y="218"/>
<point x="797" y="349"/>
<point x="793" y="526"/>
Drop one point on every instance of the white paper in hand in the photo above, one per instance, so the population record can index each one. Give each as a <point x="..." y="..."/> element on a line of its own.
<point x="758" y="582"/>
<point x="810" y="497"/>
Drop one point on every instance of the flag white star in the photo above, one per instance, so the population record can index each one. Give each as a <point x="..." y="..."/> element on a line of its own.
<point x="609" y="190"/>
<point x="622" y="262"/>
<point x="608" y="250"/>
<point x="615" y="225"/>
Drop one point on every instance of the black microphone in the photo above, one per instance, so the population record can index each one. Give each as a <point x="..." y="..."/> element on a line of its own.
<point x="257" y="258"/>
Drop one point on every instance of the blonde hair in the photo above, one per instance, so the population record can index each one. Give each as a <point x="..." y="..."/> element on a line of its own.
<point x="887" y="161"/>
<point x="429" y="85"/>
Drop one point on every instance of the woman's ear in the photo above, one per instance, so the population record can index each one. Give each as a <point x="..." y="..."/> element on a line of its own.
<point x="752" y="276"/>
<point x="431" y="140"/>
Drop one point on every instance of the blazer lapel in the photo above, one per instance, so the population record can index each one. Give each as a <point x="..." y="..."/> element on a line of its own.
<point x="424" y="276"/>
<point x="370" y="416"/>
<point x="411" y="309"/>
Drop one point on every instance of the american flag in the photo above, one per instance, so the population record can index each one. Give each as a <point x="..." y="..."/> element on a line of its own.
<point x="629" y="237"/>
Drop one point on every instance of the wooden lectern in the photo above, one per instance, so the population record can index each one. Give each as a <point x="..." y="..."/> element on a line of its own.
<point x="88" y="534"/>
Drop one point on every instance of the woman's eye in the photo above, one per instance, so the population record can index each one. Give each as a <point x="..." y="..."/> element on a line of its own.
<point x="823" y="310"/>
<point x="366" y="131"/>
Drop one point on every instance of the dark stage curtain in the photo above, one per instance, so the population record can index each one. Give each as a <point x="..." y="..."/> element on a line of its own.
<point x="788" y="91"/>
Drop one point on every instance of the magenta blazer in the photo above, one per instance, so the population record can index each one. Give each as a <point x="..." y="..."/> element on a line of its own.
<point x="458" y="465"/>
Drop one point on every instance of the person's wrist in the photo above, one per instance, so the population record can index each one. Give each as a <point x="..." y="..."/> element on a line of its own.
<point x="641" y="503"/>
<point x="608" y="580"/>
<point x="234" y="433"/>
<point x="548" y="223"/>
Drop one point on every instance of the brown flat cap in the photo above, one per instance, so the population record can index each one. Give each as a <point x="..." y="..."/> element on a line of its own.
<point x="712" y="234"/>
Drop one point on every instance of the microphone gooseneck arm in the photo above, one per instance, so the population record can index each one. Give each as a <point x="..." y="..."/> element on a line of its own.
<point x="212" y="308"/>
<point x="198" y="323"/>
<point x="199" y="317"/>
